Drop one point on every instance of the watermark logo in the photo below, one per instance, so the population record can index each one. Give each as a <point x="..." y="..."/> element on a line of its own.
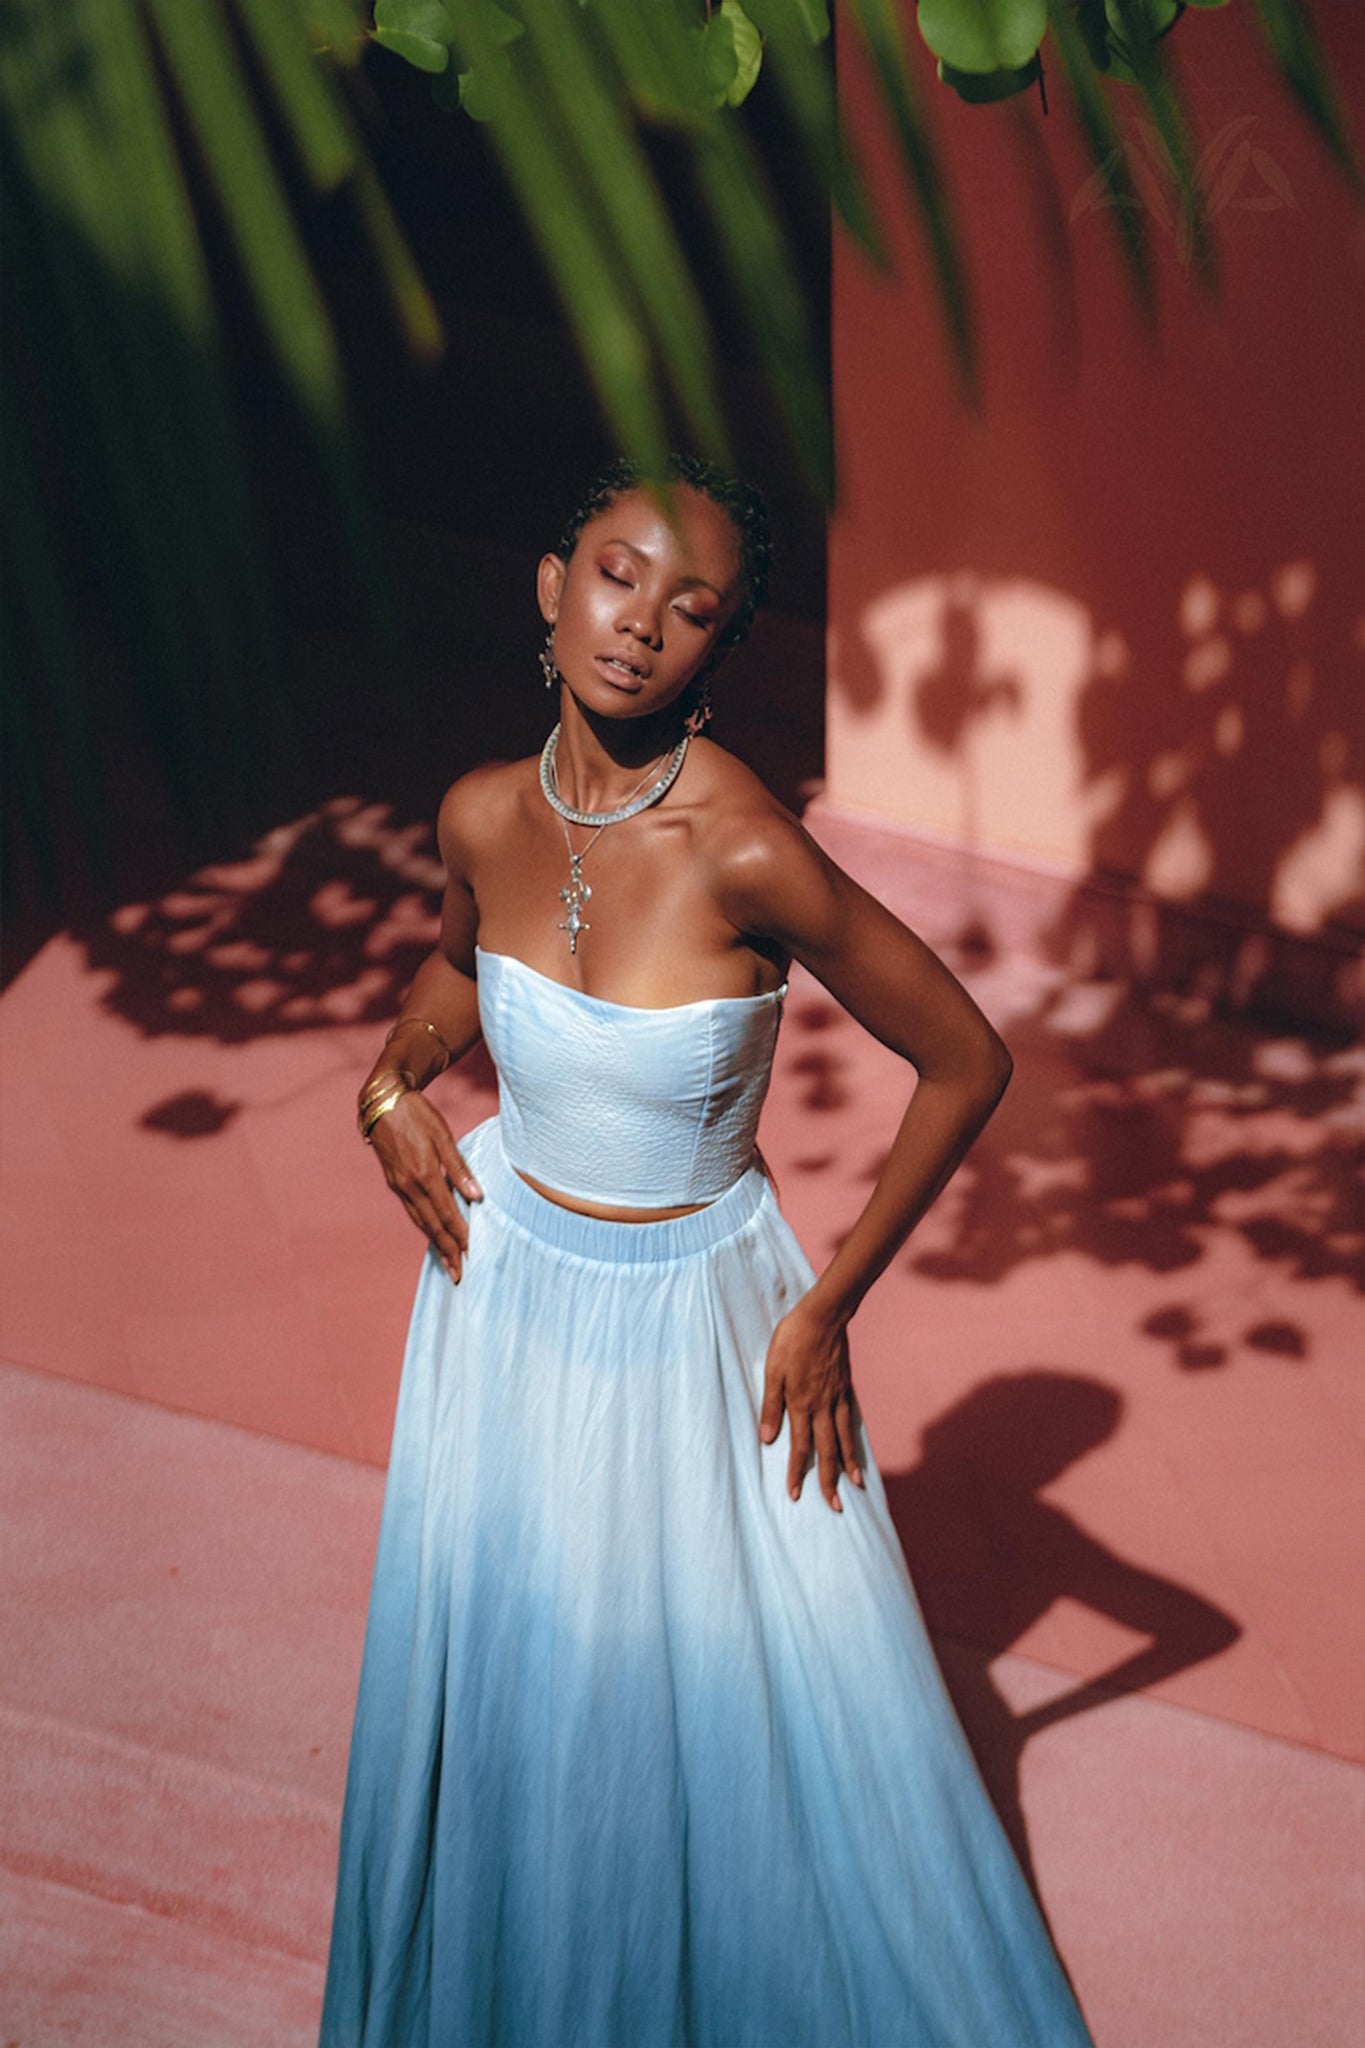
<point x="1232" y="171"/>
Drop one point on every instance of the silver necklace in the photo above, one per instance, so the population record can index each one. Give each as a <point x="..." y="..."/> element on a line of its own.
<point x="578" y="891"/>
<point x="633" y="803"/>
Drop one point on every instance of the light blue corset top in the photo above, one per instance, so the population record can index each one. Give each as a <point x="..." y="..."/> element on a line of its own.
<point x="643" y="1109"/>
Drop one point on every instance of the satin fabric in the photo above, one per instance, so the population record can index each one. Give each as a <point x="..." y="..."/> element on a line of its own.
<point x="631" y="1108"/>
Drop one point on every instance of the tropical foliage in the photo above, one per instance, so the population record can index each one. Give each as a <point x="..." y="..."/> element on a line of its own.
<point x="570" y="87"/>
<point x="135" y="134"/>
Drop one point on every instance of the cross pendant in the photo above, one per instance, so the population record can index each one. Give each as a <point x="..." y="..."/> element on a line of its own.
<point x="575" y="896"/>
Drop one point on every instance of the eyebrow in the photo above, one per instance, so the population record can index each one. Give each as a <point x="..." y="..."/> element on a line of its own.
<point x="687" y="582"/>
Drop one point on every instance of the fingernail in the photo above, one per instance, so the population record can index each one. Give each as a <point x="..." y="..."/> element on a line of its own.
<point x="796" y="1493"/>
<point x="856" y="1474"/>
<point x="767" y="1432"/>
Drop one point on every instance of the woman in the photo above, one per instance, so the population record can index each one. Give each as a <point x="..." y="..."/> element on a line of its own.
<point x="651" y="1750"/>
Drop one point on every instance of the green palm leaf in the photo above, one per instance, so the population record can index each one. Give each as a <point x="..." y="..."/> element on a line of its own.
<point x="128" y="525"/>
<point x="575" y="80"/>
<point x="878" y="22"/>
<point x="1298" y="56"/>
<point x="1142" y="53"/>
<point x="1105" y="149"/>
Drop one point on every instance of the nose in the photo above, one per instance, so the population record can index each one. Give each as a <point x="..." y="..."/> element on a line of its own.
<point x="641" y="617"/>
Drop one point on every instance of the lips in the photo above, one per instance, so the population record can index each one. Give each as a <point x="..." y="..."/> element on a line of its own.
<point x="619" y="671"/>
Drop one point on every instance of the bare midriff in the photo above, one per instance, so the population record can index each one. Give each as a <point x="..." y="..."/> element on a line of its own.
<point x="605" y="1211"/>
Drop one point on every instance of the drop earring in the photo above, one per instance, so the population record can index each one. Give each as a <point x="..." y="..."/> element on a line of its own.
<point x="699" y="717"/>
<point x="547" y="660"/>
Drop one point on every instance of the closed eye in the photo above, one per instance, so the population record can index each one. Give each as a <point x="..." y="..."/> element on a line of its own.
<point x="623" y="581"/>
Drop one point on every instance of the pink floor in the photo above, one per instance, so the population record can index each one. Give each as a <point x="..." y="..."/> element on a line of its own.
<point x="1115" y="1386"/>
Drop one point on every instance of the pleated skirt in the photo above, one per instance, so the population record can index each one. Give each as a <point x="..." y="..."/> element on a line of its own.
<point x="647" y="1754"/>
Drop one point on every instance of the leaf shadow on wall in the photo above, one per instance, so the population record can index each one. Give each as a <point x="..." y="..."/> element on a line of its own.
<point x="1184" y="769"/>
<point x="1202" y="774"/>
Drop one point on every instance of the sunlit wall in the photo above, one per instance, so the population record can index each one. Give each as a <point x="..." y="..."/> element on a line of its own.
<point x="1110" y="631"/>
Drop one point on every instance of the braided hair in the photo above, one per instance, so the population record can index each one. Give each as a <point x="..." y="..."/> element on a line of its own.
<point x="741" y="502"/>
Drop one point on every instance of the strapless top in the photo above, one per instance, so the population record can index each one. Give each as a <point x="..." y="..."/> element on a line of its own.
<point x="606" y="1102"/>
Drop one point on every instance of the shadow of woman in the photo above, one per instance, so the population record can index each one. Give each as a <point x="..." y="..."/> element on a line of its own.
<point x="988" y="1558"/>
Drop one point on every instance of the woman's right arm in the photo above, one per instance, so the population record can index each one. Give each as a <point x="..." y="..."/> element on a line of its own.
<point x="412" y="1139"/>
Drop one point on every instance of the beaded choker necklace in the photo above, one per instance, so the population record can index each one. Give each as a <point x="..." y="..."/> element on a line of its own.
<point x="578" y="891"/>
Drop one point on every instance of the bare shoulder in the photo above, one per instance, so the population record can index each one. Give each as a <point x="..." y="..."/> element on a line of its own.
<point x="478" y="808"/>
<point x="730" y="802"/>
<point x="767" y="872"/>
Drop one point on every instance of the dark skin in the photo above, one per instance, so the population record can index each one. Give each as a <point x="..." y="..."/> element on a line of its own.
<point x="712" y="892"/>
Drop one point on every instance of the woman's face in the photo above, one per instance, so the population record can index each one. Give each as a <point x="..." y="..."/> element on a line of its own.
<point x="641" y="604"/>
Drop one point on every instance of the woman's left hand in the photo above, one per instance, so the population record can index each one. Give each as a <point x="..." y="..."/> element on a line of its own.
<point x="808" y="1374"/>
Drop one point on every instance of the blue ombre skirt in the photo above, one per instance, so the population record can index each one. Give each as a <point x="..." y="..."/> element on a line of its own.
<point x="646" y="1754"/>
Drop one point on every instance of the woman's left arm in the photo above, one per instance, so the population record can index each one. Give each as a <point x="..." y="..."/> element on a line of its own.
<point x="776" y="883"/>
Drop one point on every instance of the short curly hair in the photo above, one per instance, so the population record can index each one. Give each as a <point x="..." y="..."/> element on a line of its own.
<point x="741" y="502"/>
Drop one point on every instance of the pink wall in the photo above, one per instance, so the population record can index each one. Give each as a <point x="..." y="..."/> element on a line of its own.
<point x="1114" y="626"/>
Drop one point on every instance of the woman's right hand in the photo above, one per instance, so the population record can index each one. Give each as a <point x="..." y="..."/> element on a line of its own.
<point x="423" y="1166"/>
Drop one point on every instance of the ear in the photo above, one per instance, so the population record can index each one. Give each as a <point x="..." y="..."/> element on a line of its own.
<point x="550" y="585"/>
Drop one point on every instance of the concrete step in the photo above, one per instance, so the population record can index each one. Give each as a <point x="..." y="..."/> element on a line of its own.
<point x="138" y="1826"/>
<point x="81" y="1972"/>
<point x="182" y="1606"/>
